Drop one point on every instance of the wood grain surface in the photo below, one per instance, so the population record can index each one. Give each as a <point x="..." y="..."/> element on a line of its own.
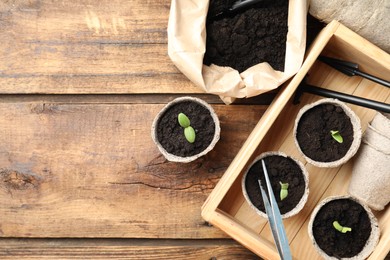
<point x="105" y="46"/>
<point x="80" y="83"/>
<point x="76" y="170"/>
<point x="123" y="249"/>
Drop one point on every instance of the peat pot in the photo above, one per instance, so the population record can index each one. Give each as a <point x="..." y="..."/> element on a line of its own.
<point x="316" y="128"/>
<point x="355" y="234"/>
<point x="282" y="169"/>
<point x="171" y="137"/>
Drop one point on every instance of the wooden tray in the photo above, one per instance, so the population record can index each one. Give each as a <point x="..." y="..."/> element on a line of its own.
<point x="226" y="207"/>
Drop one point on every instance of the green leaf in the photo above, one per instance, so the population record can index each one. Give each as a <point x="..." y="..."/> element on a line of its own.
<point x="340" y="228"/>
<point x="283" y="190"/>
<point x="183" y="120"/>
<point x="346" y="229"/>
<point x="337" y="226"/>
<point x="336" y="136"/>
<point x="189" y="133"/>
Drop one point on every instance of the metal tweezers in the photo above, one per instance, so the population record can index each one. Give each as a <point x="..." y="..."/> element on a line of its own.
<point x="274" y="218"/>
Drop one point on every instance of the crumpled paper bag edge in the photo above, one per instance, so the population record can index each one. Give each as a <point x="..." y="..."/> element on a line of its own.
<point x="186" y="48"/>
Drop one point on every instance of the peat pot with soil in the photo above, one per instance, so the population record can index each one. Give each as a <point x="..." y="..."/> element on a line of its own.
<point x="340" y="227"/>
<point x="288" y="178"/>
<point x="327" y="133"/>
<point x="186" y="129"/>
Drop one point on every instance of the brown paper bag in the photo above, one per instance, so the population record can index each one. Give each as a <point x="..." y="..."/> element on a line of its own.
<point x="187" y="46"/>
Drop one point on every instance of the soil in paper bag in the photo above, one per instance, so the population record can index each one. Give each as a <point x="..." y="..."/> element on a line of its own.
<point x="250" y="37"/>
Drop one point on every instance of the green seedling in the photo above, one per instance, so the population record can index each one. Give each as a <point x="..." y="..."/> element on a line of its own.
<point x="336" y="136"/>
<point x="283" y="190"/>
<point x="185" y="122"/>
<point x="189" y="133"/>
<point x="340" y="228"/>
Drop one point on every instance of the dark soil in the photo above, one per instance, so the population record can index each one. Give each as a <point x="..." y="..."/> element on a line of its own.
<point x="313" y="27"/>
<point x="348" y="213"/>
<point x="280" y="169"/>
<point x="313" y="133"/>
<point x="171" y="135"/>
<point x="247" y="38"/>
<point x="251" y="36"/>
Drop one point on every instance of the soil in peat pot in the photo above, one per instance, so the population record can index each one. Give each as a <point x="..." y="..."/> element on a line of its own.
<point x="313" y="133"/>
<point x="171" y="135"/>
<point x="280" y="169"/>
<point x="348" y="213"/>
<point x="249" y="37"/>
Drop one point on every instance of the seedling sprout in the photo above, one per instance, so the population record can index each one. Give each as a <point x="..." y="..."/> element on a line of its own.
<point x="336" y="136"/>
<point x="189" y="131"/>
<point x="283" y="190"/>
<point x="340" y="228"/>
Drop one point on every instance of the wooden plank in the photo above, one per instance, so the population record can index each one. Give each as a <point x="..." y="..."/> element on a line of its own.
<point x="371" y="59"/>
<point x="122" y="248"/>
<point x="91" y="170"/>
<point x="242" y="235"/>
<point x="263" y="99"/>
<point x="85" y="68"/>
<point x="104" y="22"/>
<point x="87" y="47"/>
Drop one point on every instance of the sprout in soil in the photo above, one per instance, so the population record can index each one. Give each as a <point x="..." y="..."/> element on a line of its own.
<point x="336" y="136"/>
<point x="189" y="132"/>
<point x="340" y="228"/>
<point x="283" y="190"/>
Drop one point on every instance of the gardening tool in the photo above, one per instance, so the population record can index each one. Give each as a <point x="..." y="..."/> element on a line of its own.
<point x="364" y="102"/>
<point x="351" y="69"/>
<point x="237" y="6"/>
<point x="274" y="218"/>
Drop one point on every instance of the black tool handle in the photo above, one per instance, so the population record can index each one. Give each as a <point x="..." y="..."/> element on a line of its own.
<point x="373" y="78"/>
<point x="351" y="69"/>
<point x="384" y="107"/>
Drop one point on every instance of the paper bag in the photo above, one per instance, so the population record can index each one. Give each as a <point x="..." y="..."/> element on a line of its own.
<point x="187" y="46"/>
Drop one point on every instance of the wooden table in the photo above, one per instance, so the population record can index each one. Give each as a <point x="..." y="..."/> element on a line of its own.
<point x="80" y="84"/>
